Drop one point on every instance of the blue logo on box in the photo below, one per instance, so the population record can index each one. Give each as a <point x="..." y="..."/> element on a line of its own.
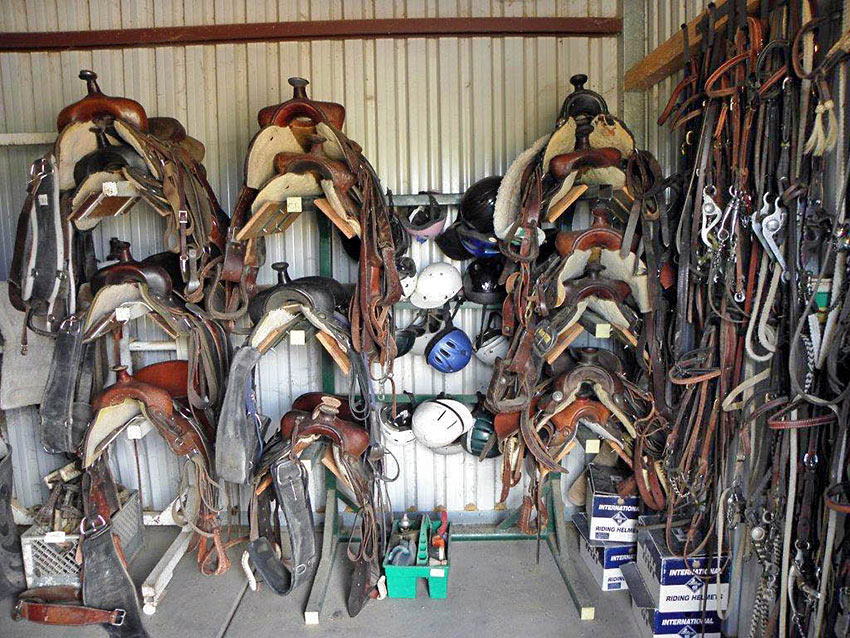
<point x="694" y="584"/>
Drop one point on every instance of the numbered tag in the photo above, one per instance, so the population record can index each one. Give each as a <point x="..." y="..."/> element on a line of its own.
<point x="603" y="331"/>
<point x="42" y="200"/>
<point x="297" y="337"/>
<point x="293" y="204"/>
<point x="55" y="537"/>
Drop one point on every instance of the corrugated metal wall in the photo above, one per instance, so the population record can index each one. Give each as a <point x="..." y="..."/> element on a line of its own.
<point x="435" y="113"/>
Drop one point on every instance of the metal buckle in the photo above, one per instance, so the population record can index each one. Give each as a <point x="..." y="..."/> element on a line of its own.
<point x="121" y="615"/>
<point x="86" y="528"/>
<point x="16" y="612"/>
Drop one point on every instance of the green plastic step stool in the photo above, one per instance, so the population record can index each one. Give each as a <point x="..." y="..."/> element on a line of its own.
<point x="401" y="581"/>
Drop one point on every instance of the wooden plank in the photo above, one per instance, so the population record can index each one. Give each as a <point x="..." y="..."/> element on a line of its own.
<point x="563" y="342"/>
<point x="303" y="30"/>
<point x="337" y="354"/>
<point x="565" y="202"/>
<point x="668" y="57"/>
<point x="26" y="139"/>
<point x="564" y="547"/>
<point x="344" y="226"/>
<point x="263" y="222"/>
<point x="330" y="538"/>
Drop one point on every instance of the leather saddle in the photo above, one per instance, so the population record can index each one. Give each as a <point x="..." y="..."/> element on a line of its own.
<point x="287" y="128"/>
<point x="301" y="428"/>
<point x="96" y="104"/>
<point x="322" y="294"/>
<point x="106" y="139"/>
<point x="281" y="468"/>
<point x="116" y="406"/>
<point x="154" y="276"/>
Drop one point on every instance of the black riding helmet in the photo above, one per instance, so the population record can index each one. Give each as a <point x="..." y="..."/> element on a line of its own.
<point x="481" y="281"/>
<point x="400" y="238"/>
<point x="449" y="242"/>
<point x="479" y="203"/>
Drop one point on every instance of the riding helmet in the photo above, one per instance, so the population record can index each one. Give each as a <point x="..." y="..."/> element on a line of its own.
<point x="481" y="281"/>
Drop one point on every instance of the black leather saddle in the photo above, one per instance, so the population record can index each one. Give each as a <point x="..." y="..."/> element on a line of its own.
<point x="323" y="295"/>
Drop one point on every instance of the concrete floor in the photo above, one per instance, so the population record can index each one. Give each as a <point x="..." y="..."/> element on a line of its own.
<point x="495" y="588"/>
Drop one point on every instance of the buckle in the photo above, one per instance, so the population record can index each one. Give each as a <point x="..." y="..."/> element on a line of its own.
<point x="16" y="612"/>
<point x="89" y="528"/>
<point x="120" y="614"/>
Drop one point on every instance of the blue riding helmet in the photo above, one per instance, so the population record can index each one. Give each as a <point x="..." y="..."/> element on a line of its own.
<point x="450" y="350"/>
<point x="476" y="243"/>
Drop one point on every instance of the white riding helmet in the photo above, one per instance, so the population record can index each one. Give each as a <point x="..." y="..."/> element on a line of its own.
<point x="438" y="423"/>
<point x="490" y="342"/>
<point x="431" y="326"/>
<point x="448" y="450"/>
<point x="436" y="284"/>
<point x="490" y="348"/>
<point x="398" y="431"/>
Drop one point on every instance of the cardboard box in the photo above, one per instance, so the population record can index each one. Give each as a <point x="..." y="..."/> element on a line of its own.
<point x="679" y="624"/>
<point x="604" y="558"/>
<point x="610" y="517"/>
<point x="674" y="584"/>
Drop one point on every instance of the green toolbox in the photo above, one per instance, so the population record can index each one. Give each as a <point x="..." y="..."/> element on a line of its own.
<point x="402" y="578"/>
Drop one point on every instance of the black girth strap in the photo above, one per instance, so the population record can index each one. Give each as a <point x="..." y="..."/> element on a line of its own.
<point x="290" y="488"/>
<point x="65" y="409"/>
<point x="236" y="443"/>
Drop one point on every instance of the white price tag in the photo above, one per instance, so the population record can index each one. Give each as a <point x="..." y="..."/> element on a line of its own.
<point x="297" y="338"/>
<point x="591" y="446"/>
<point x="437" y="573"/>
<point x="54" y="537"/>
<point x="42" y="200"/>
<point x="603" y="331"/>
<point x="293" y="204"/>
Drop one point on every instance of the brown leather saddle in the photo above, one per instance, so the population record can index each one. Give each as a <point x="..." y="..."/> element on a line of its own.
<point x="302" y="428"/>
<point x="318" y="420"/>
<point x="97" y="104"/>
<point x="106" y="139"/>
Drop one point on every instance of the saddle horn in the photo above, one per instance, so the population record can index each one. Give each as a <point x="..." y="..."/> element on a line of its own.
<point x="282" y="270"/>
<point x="90" y="78"/>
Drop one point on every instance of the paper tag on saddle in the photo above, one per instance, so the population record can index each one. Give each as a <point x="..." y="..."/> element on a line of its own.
<point x="293" y="205"/>
<point x="603" y="331"/>
<point x="56" y="537"/>
<point x="297" y="337"/>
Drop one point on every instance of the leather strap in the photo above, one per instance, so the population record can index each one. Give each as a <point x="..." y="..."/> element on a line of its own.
<point x="29" y="607"/>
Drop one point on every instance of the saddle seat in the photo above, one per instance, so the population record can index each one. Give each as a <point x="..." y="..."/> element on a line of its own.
<point x="302" y="428"/>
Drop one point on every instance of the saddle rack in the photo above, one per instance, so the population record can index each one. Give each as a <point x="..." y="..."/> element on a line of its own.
<point x="561" y="538"/>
